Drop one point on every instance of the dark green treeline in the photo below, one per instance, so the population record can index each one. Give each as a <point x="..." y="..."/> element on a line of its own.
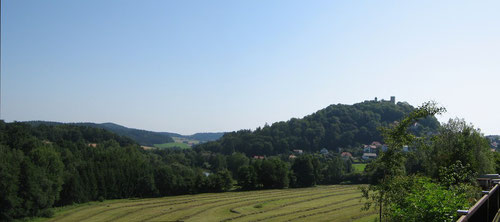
<point x="46" y="166"/>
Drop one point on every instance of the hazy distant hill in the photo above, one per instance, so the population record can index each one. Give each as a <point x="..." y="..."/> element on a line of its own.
<point x="336" y="126"/>
<point x="143" y="137"/>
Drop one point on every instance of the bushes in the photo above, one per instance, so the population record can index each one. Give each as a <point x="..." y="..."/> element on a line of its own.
<point x="419" y="199"/>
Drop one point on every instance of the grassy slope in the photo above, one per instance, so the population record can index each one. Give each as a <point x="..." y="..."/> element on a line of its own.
<point x="322" y="203"/>
<point x="359" y="167"/>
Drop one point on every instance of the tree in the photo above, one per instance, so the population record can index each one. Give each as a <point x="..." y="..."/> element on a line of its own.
<point x="273" y="173"/>
<point x="247" y="177"/>
<point x="235" y="161"/>
<point x="220" y="181"/>
<point x="303" y="171"/>
<point x="391" y="163"/>
<point x="415" y="198"/>
<point x="334" y="171"/>
<point x="459" y="141"/>
<point x="10" y="169"/>
<point x="41" y="180"/>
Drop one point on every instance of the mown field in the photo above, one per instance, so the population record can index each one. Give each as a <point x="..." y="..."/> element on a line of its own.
<point x="172" y="145"/>
<point x="359" y="167"/>
<point x="322" y="203"/>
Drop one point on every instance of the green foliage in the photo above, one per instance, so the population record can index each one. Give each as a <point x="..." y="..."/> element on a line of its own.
<point x="452" y="158"/>
<point x="235" y="161"/>
<point x="333" y="127"/>
<point x="456" y="174"/>
<point x="419" y="199"/>
<point x="143" y="137"/>
<point x="334" y="171"/>
<point x="391" y="163"/>
<point x="220" y="181"/>
<point x="273" y="173"/>
<point x="42" y="179"/>
<point x="247" y="177"/>
<point x="459" y="141"/>
<point x="10" y="170"/>
<point x="496" y="161"/>
<point x="303" y="170"/>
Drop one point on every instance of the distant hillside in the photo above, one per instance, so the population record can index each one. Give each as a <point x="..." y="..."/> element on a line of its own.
<point x="336" y="126"/>
<point x="143" y="137"/>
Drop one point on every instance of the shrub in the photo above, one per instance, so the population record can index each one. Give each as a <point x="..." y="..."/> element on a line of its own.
<point x="417" y="198"/>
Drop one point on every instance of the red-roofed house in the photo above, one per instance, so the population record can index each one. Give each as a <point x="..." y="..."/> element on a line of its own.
<point x="346" y="155"/>
<point x="376" y="143"/>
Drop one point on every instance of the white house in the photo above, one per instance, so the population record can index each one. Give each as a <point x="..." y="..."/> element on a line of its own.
<point x="367" y="156"/>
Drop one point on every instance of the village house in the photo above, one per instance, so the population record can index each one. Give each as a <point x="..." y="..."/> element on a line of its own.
<point x="370" y="149"/>
<point x="376" y="143"/>
<point x="368" y="156"/>
<point x="346" y="155"/>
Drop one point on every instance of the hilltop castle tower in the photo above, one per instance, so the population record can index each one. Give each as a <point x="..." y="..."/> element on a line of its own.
<point x="393" y="99"/>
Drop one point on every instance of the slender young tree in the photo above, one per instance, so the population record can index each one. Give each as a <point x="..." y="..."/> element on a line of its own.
<point x="391" y="163"/>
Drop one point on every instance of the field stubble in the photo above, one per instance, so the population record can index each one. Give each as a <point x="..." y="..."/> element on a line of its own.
<point x="322" y="203"/>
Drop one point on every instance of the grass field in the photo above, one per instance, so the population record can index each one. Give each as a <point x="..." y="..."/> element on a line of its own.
<point x="322" y="203"/>
<point x="359" y="167"/>
<point x="173" y="145"/>
<point x="179" y="142"/>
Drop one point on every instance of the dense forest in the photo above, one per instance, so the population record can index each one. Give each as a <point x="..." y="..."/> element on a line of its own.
<point x="337" y="126"/>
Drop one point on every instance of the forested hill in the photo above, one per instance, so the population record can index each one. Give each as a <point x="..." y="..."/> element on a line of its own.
<point x="334" y="127"/>
<point x="143" y="137"/>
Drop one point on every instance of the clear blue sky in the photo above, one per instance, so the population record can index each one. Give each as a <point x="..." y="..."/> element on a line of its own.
<point x="198" y="66"/>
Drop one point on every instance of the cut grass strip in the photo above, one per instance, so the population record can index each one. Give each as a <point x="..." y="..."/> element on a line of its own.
<point x="220" y="203"/>
<point x="290" y="204"/>
<point x="261" y="201"/>
<point x="337" y="202"/>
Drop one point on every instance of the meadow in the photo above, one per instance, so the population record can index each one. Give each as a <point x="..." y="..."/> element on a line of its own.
<point x="321" y="203"/>
<point x="179" y="142"/>
<point x="172" y="145"/>
<point x="359" y="167"/>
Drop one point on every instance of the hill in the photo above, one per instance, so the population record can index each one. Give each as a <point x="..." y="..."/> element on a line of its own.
<point x="143" y="137"/>
<point x="336" y="126"/>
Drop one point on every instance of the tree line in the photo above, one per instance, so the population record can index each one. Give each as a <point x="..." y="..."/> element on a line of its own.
<point x="45" y="166"/>
<point x="142" y="137"/>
